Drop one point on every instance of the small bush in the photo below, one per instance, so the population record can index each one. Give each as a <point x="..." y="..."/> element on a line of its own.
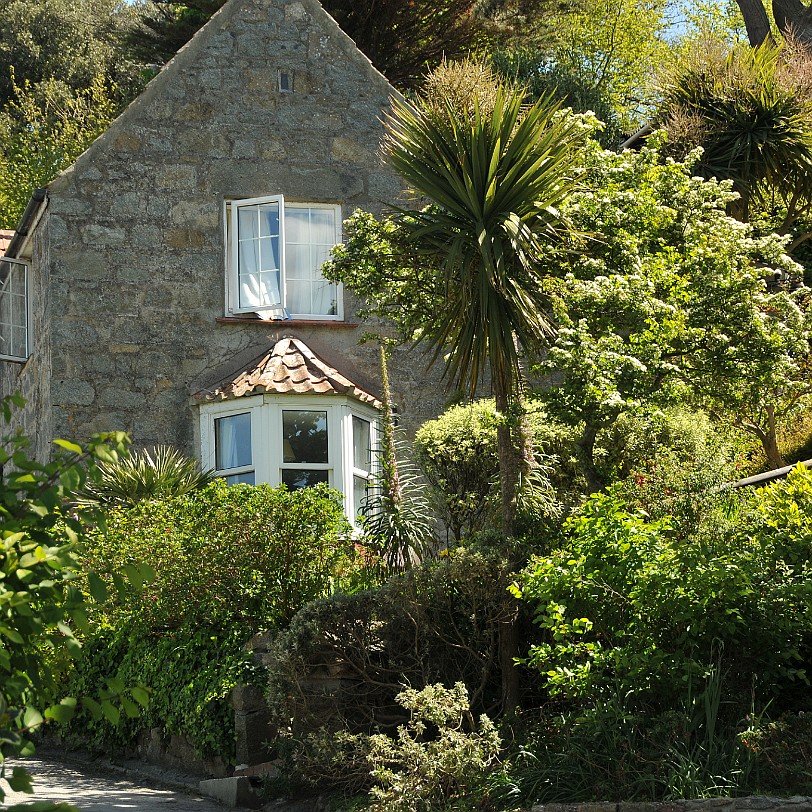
<point x="624" y="607"/>
<point x="438" y="760"/>
<point x="782" y="754"/>
<point x="228" y="562"/>
<point x="457" y="452"/>
<point x="189" y="675"/>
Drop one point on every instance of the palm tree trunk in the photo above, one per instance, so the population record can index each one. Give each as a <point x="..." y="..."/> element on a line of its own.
<point x="509" y="467"/>
<point x="509" y="464"/>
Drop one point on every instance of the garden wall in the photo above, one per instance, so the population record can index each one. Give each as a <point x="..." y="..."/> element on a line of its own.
<point x="796" y="803"/>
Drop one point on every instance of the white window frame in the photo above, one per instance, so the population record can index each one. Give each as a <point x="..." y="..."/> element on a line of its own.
<point x="267" y="441"/>
<point x="26" y="316"/>
<point x="232" y="208"/>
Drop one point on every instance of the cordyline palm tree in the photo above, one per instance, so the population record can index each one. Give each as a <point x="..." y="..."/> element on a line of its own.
<point x="751" y="112"/>
<point x="494" y="171"/>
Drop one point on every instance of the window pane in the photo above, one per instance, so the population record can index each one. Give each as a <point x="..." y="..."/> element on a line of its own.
<point x="247" y="222"/>
<point x="361" y="450"/>
<point x="13" y="309"/>
<point x="232" y="441"/>
<point x="322" y="226"/>
<point x="319" y="255"/>
<point x="298" y="261"/>
<point x="235" y="479"/>
<point x="309" y="236"/>
<point x="298" y="296"/>
<point x="302" y="479"/>
<point x="360" y="488"/>
<point x="297" y="228"/>
<point x="258" y="255"/>
<point x="324" y="299"/>
<point x="304" y="436"/>
<point x="269" y="220"/>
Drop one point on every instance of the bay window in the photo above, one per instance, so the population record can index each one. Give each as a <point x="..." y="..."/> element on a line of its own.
<point x="297" y="441"/>
<point x="275" y="252"/>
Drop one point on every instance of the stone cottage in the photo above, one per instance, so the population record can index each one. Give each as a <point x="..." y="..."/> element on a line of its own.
<point x="168" y="283"/>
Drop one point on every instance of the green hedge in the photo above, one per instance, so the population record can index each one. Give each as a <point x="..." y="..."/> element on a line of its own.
<point x="229" y="562"/>
<point x="242" y="555"/>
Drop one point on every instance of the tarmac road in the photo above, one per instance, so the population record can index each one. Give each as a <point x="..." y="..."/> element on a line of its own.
<point x="100" y="790"/>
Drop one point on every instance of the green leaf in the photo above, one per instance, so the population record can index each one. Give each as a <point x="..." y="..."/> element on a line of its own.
<point x="63" y="712"/>
<point x="130" y="708"/>
<point x="134" y="576"/>
<point x="68" y="446"/>
<point x="12" y="634"/>
<point x="80" y="619"/>
<point x="98" y="589"/>
<point x="32" y="718"/>
<point x="103" y="453"/>
<point x="115" y="684"/>
<point x="93" y="707"/>
<point x="140" y="695"/>
<point x="110" y="711"/>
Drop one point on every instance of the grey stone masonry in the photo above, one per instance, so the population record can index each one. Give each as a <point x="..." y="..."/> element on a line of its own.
<point x="796" y="803"/>
<point x="128" y="269"/>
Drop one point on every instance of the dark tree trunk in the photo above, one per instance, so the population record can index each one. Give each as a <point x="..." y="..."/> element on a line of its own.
<point x="755" y="21"/>
<point x="793" y="19"/>
<point x="509" y="467"/>
<point x="585" y="451"/>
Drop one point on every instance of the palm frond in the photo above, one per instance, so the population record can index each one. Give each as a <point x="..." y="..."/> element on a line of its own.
<point x="496" y="174"/>
<point x="143" y="475"/>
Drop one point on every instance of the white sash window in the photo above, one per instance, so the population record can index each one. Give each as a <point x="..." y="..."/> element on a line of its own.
<point x="275" y="252"/>
<point x="14" y="339"/>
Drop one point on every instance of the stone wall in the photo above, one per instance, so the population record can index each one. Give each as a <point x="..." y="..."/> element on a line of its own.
<point x="796" y="803"/>
<point x="131" y="255"/>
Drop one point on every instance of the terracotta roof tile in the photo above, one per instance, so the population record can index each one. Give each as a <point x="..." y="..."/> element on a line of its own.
<point x="291" y="366"/>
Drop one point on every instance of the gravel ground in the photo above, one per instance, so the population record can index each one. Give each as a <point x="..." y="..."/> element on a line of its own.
<point x="100" y="788"/>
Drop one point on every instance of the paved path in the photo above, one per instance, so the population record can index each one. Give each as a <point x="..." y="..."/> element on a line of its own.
<point x="102" y="790"/>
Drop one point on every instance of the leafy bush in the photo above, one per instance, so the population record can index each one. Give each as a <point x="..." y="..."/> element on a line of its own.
<point x="457" y="452"/>
<point x="42" y="605"/>
<point x="689" y="436"/>
<point x="228" y="561"/>
<point x="435" y="623"/>
<point x="421" y="770"/>
<point x="661" y="454"/>
<point x="190" y="674"/>
<point x="782" y="754"/>
<point x="243" y="555"/>
<point x="626" y="609"/>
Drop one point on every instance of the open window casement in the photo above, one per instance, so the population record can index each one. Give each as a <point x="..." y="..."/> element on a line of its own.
<point x="276" y="250"/>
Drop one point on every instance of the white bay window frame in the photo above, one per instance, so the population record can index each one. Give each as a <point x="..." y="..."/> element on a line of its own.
<point x="282" y="309"/>
<point x="267" y="440"/>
